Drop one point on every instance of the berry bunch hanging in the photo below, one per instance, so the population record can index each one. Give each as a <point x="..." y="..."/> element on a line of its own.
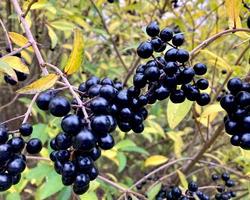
<point x="12" y="157"/>
<point x="169" y="76"/>
<point x="224" y="185"/>
<point x="236" y="104"/>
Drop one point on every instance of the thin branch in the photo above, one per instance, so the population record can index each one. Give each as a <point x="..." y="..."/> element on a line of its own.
<point x="12" y="119"/>
<point x="110" y="35"/>
<point x="208" y="41"/>
<point x="18" y="50"/>
<point x="29" y="7"/>
<point x="11" y="102"/>
<point x="6" y="35"/>
<point x="30" y="36"/>
<point x="28" y="112"/>
<point x="131" y="71"/>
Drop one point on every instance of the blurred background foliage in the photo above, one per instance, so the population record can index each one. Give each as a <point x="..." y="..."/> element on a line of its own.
<point x="172" y="131"/>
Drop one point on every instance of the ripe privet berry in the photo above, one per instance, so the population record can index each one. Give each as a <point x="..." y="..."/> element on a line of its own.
<point x="34" y="146"/>
<point x="5" y="181"/>
<point x="166" y="34"/>
<point x="9" y="80"/>
<point x="248" y="21"/>
<point x="200" y="69"/>
<point x="3" y="135"/>
<point x="59" y="106"/>
<point x="26" y="129"/>
<point x="85" y="140"/>
<point x="178" y="40"/>
<point x="44" y="99"/>
<point x="71" y="124"/>
<point x="145" y="50"/>
<point x="153" y="29"/>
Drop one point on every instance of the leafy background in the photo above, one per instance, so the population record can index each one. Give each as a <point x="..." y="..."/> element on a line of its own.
<point x="172" y="131"/>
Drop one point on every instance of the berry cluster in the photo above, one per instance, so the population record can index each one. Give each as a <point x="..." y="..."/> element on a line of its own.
<point x="12" y="159"/>
<point x="20" y="75"/>
<point x="236" y="103"/>
<point x="224" y="189"/>
<point x="175" y="193"/>
<point x="169" y="75"/>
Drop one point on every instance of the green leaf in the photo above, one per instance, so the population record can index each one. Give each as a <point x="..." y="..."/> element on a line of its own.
<point x="122" y="159"/>
<point x="65" y="194"/>
<point x="135" y="149"/>
<point x="13" y="196"/>
<point x="177" y="112"/>
<point x="62" y="25"/>
<point x="51" y="186"/>
<point x="152" y="192"/>
<point x="39" y="85"/>
<point x="76" y="57"/>
<point x="53" y="37"/>
<point x="39" y="131"/>
<point x="39" y="172"/>
<point x="125" y="143"/>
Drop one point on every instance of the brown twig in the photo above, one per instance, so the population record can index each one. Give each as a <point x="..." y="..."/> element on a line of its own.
<point x="18" y="50"/>
<point x="131" y="71"/>
<point x="208" y="41"/>
<point x="30" y="36"/>
<point x="28" y="112"/>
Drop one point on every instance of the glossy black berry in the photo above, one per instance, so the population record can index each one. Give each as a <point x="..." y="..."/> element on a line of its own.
<point x="158" y="45"/>
<point x="100" y="124"/>
<point x="234" y="85"/>
<point x="63" y="141"/>
<point x="68" y="169"/>
<point x="34" y="146"/>
<point x="16" y="179"/>
<point x="99" y="105"/>
<point x="84" y="163"/>
<point x="192" y="186"/>
<point x="26" y="129"/>
<point x="153" y="29"/>
<point x="202" y="84"/>
<point x="85" y="140"/>
<point x="200" y="69"/>
<point x="235" y="140"/>
<point x="59" y="106"/>
<point x="203" y="99"/>
<point x="44" y="99"/>
<point x="178" y="40"/>
<point x="21" y="76"/>
<point x="5" y="182"/>
<point x="182" y="56"/>
<point x="171" y="55"/>
<point x="81" y="190"/>
<point x="17" y="144"/>
<point x="243" y="98"/>
<point x="16" y="166"/>
<point x="176" y="192"/>
<point x="71" y="124"/>
<point x="3" y="135"/>
<point x="81" y="180"/>
<point x="5" y="152"/>
<point x="93" y="173"/>
<point x="245" y="141"/>
<point x="177" y="96"/>
<point x="166" y="34"/>
<point x="225" y="176"/>
<point x="145" y="50"/>
<point x="106" y="142"/>
<point x="230" y="183"/>
<point x="139" y="80"/>
<point x="108" y="92"/>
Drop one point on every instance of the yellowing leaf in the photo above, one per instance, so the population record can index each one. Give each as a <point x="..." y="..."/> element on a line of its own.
<point x="177" y="112"/>
<point x="53" y="37"/>
<point x="40" y="85"/>
<point x="210" y="111"/>
<point x="178" y="142"/>
<point x="5" y="68"/>
<point x="155" y="160"/>
<point x="76" y="56"/>
<point x="16" y="63"/>
<point x="19" y="40"/>
<point x="183" y="179"/>
<point x="233" y="12"/>
<point x="216" y="60"/>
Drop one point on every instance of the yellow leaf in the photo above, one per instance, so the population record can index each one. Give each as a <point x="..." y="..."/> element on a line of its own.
<point x="216" y="60"/>
<point x="76" y="56"/>
<point x="16" y="63"/>
<point x="5" y="68"/>
<point x="233" y="12"/>
<point x="19" y="40"/>
<point x="111" y="154"/>
<point x="178" y="142"/>
<point x="210" y="111"/>
<point x="53" y="37"/>
<point x="177" y="112"/>
<point x="40" y="85"/>
<point x="183" y="179"/>
<point x="155" y="160"/>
